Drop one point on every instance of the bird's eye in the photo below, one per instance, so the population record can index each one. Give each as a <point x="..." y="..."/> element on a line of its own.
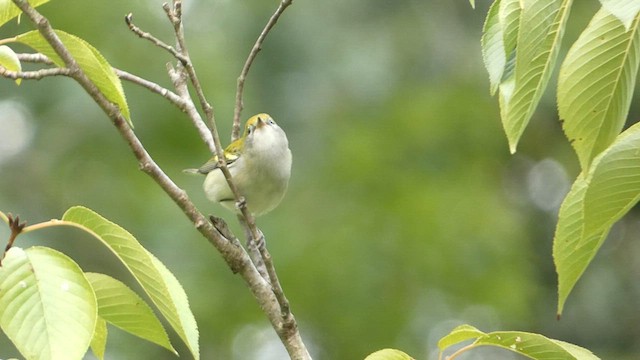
<point x="270" y="121"/>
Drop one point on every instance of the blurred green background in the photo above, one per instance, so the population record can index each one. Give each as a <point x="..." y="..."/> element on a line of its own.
<point x="406" y="214"/>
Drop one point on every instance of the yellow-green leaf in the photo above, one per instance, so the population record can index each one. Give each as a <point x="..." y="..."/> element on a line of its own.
<point x="540" y="33"/>
<point x="99" y="340"/>
<point x="614" y="182"/>
<point x="573" y="250"/>
<point x="47" y="306"/>
<point x="156" y="280"/>
<point x="459" y="334"/>
<point x="92" y="63"/>
<point x="535" y="346"/>
<point x="610" y="188"/>
<point x="596" y="84"/>
<point x="121" y="307"/>
<point x="388" y="354"/>
<point x="624" y="10"/>
<point x="8" y="10"/>
<point x="493" y="52"/>
<point x="499" y="43"/>
<point x="9" y="60"/>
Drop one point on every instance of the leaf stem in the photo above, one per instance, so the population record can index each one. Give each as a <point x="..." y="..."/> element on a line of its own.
<point x="459" y="351"/>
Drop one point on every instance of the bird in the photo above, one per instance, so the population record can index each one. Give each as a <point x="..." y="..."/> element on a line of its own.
<point x="260" y="166"/>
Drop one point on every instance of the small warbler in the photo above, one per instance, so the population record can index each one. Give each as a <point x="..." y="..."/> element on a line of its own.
<point x="260" y="167"/>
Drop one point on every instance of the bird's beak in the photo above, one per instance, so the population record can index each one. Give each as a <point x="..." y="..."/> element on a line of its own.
<point x="260" y="123"/>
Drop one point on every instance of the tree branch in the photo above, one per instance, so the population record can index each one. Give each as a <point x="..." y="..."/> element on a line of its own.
<point x="33" y="75"/>
<point x="235" y="134"/>
<point x="182" y="101"/>
<point x="233" y="254"/>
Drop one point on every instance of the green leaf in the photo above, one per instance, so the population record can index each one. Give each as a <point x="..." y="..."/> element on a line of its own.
<point x="122" y="307"/>
<point x="509" y="14"/>
<point x="614" y="182"/>
<point x="90" y="61"/>
<point x="531" y="345"/>
<point x="47" y="306"/>
<point x="499" y="41"/>
<point x="535" y="346"/>
<point x="157" y="281"/>
<point x="572" y="249"/>
<point x="540" y="33"/>
<point x="388" y="354"/>
<point x="99" y="340"/>
<point x="595" y="202"/>
<point x="459" y="334"/>
<point x="624" y="10"/>
<point x="493" y="52"/>
<point x="9" y="60"/>
<point x="473" y="3"/>
<point x="596" y="83"/>
<point x="8" y="10"/>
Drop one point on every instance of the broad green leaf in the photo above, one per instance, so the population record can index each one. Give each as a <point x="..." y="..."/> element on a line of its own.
<point x="624" y="10"/>
<point x="122" y="307"/>
<point x="47" y="306"/>
<point x="493" y="52"/>
<point x="459" y="334"/>
<point x="90" y="61"/>
<point x="540" y="33"/>
<point x="157" y="281"/>
<point x="595" y="202"/>
<point x="614" y="182"/>
<point x="509" y="14"/>
<point x="535" y="346"/>
<point x="99" y="340"/>
<point x="9" y="60"/>
<point x="572" y="249"/>
<point x="389" y="354"/>
<point x="499" y="41"/>
<point x="578" y="352"/>
<point x="596" y="84"/>
<point x="8" y="10"/>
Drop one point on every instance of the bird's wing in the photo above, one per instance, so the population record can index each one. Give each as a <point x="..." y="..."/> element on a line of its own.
<point x="231" y="154"/>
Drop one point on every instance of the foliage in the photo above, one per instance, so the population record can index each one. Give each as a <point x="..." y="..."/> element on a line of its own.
<point x="595" y="88"/>
<point x="51" y="309"/>
<point x="534" y="346"/>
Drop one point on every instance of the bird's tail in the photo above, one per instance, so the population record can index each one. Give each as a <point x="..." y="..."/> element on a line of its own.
<point x="192" y="171"/>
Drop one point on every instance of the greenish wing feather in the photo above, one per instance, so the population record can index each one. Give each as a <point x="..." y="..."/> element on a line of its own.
<point x="231" y="154"/>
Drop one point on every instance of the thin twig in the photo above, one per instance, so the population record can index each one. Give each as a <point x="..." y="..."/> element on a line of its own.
<point x="285" y="309"/>
<point x="186" y="104"/>
<point x="35" y="58"/>
<point x="157" y="42"/>
<point x="153" y="87"/>
<point x="174" y="14"/>
<point x="250" y="221"/>
<point x="179" y="101"/>
<point x="33" y="75"/>
<point x="235" y="133"/>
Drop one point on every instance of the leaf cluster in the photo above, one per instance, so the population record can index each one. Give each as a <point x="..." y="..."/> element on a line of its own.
<point x="521" y="45"/>
<point x="51" y="309"/>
